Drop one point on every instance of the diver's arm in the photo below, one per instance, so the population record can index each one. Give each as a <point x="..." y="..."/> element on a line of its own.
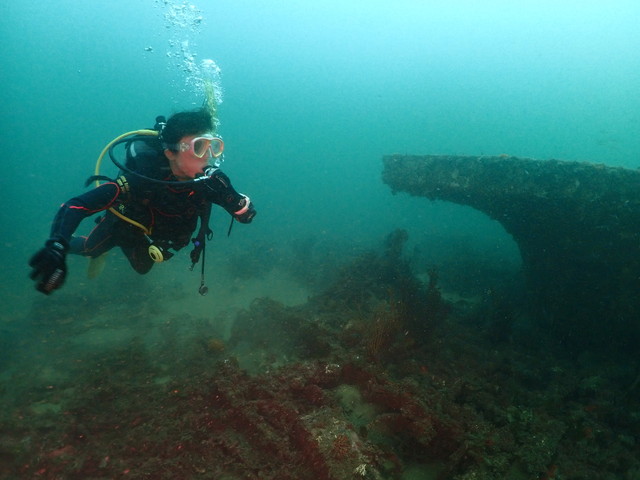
<point x="72" y="212"/>
<point x="49" y="267"/>
<point x="218" y="190"/>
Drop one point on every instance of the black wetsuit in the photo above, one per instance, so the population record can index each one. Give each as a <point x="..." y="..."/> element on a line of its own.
<point x="169" y="212"/>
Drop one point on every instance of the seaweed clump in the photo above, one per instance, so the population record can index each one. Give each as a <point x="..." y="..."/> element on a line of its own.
<point x="381" y="286"/>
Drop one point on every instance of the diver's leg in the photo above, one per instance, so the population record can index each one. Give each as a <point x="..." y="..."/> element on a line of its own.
<point x="99" y="240"/>
<point x="138" y="256"/>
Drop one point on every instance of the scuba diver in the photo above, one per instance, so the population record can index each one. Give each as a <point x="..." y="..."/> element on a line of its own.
<point x="165" y="187"/>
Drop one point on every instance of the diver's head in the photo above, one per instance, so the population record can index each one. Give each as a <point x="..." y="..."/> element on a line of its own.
<point x="189" y="144"/>
<point x="181" y="124"/>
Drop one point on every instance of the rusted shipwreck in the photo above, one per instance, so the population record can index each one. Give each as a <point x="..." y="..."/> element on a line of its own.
<point x="577" y="226"/>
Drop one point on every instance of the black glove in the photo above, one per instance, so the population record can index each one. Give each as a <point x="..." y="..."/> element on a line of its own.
<point x="248" y="214"/>
<point x="49" y="265"/>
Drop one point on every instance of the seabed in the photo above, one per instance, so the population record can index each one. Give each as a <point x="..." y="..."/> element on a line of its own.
<point x="382" y="373"/>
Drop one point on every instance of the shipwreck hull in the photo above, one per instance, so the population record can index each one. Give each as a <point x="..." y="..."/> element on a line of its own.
<point x="577" y="226"/>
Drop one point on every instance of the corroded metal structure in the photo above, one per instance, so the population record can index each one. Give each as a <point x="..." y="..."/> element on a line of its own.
<point x="577" y="226"/>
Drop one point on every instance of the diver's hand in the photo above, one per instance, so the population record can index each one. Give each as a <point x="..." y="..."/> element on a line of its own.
<point x="49" y="265"/>
<point x="247" y="212"/>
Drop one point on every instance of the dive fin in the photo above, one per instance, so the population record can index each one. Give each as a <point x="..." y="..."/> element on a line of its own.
<point x="96" y="265"/>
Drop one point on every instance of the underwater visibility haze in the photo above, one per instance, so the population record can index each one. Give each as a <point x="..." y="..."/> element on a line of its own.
<point x="348" y="332"/>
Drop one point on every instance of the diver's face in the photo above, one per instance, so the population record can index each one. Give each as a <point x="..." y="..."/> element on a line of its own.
<point x="189" y="162"/>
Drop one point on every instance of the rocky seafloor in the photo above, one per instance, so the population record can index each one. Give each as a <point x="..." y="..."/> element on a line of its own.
<point x="380" y="375"/>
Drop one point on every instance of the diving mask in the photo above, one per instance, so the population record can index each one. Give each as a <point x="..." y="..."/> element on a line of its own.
<point x="199" y="146"/>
